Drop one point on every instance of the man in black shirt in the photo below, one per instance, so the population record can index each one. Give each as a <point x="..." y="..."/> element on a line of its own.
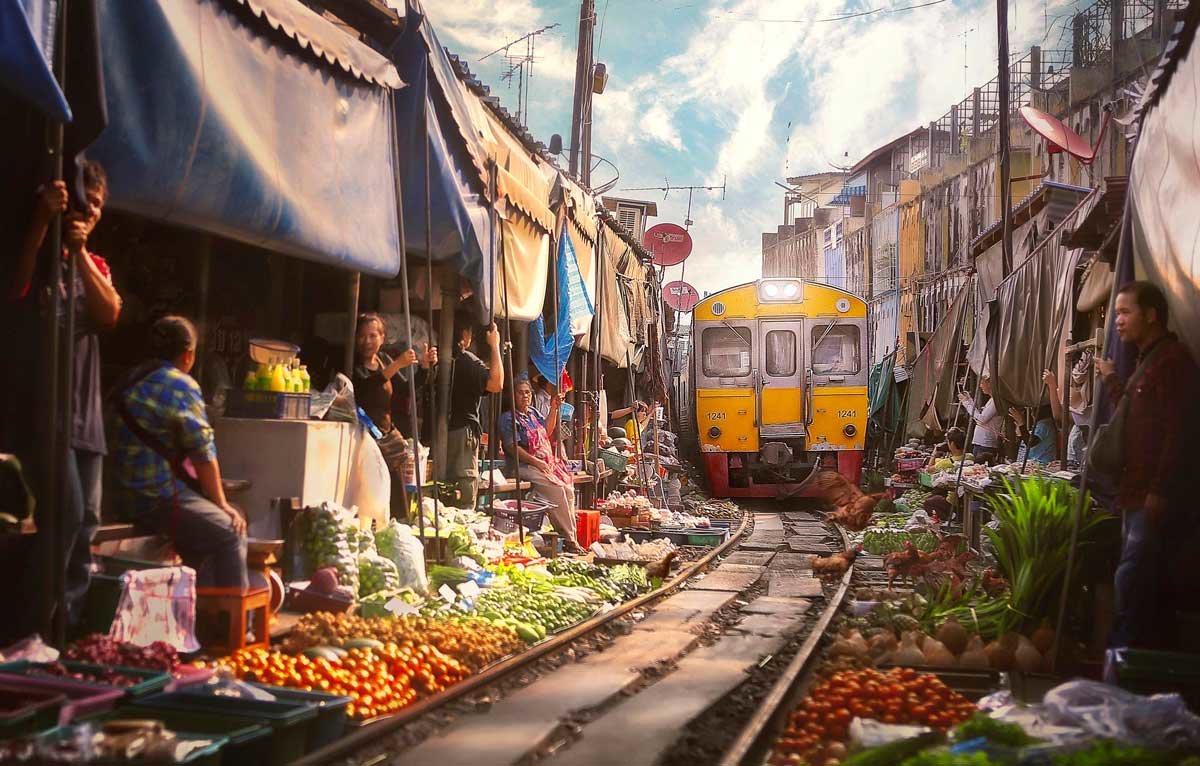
<point x="470" y="379"/>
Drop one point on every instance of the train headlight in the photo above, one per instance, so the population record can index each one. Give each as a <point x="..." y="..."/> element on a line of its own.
<point x="714" y="433"/>
<point x="775" y="290"/>
<point x="850" y="431"/>
<point x="843" y="305"/>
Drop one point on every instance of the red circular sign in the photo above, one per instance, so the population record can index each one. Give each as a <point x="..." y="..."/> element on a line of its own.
<point x="669" y="243"/>
<point x="680" y="296"/>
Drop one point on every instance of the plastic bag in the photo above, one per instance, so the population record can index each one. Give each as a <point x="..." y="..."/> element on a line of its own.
<point x="157" y="605"/>
<point x="31" y="649"/>
<point x="397" y="542"/>
<point x="224" y="684"/>
<point x="369" y="485"/>
<point x="376" y="573"/>
<point x="326" y="542"/>
<point x="867" y="733"/>
<point x="336" y="402"/>
<point x="1162" y="720"/>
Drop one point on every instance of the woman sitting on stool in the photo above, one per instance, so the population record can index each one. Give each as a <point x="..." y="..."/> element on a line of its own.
<point x="548" y="474"/>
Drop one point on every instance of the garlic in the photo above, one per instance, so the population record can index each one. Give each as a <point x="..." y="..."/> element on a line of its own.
<point x="974" y="655"/>
<point x="1027" y="658"/>
<point x="937" y="654"/>
<point x="908" y="653"/>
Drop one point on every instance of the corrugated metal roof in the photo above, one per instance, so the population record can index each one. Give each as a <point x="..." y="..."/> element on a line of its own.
<point x="1046" y="191"/>
<point x="325" y="41"/>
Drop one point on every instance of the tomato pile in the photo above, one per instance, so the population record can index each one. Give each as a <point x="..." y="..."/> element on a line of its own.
<point x="818" y="728"/>
<point x="380" y="681"/>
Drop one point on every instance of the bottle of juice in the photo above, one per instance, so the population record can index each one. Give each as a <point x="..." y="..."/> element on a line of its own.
<point x="278" y="378"/>
<point x="264" y="377"/>
<point x="305" y="379"/>
<point x="251" y="381"/>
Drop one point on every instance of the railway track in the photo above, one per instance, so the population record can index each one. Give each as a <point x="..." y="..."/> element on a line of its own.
<point x="684" y="674"/>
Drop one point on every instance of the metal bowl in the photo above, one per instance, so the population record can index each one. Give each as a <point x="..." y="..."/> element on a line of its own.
<point x="268" y="351"/>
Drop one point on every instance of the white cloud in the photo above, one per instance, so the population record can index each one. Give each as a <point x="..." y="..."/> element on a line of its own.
<point x="475" y="28"/>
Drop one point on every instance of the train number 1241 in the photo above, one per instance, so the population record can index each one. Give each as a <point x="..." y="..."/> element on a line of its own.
<point x="847" y="413"/>
<point x="716" y="416"/>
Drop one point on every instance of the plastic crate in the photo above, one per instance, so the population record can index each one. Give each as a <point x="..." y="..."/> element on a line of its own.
<point x="151" y="680"/>
<point x="81" y="698"/>
<point x="245" y="742"/>
<point x="331" y="712"/>
<point x="697" y="537"/>
<point x="291" y="722"/>
<point x="268" y="405"/>
<point x="587" y="527"/>
<point x="614" y="460"/>
<point x="909" y="464"/>
<point x="24" y="711"/>
<point x="1144" y="671"/>
<point x="209" y="755"/>
<point x="533" y="515"/>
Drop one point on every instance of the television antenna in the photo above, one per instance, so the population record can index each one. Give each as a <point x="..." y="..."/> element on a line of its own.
<point x="668" y="187"/>
<point x="520" y="67"/>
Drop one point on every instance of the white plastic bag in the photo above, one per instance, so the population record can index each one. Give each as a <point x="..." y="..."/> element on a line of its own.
<point x="1162" y="720"/>
<point x="31" y="649"/>
<point x="369" y="486"/>
<point x="157" y="605"/>
<point x="397" y="542"/>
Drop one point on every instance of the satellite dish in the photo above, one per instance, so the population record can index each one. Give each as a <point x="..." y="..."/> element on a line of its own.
<point x="680" y="296"/>
<point x="669" y="243"/>
<point x="1060" y="138"/>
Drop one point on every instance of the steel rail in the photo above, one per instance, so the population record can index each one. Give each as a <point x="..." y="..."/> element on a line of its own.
<point x="371" y="733"/>
<point x="773" y="708"/>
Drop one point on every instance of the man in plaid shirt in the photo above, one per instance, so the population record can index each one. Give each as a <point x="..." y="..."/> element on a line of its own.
<point x="1158" y="453"/>
<point x="167" y="460"/>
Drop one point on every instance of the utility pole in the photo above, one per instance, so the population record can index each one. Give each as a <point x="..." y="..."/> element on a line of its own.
<point x="1002" y="127"/>
<point x="581" y="109"/>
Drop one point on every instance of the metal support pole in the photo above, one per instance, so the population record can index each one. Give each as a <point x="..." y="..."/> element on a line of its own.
<point x="438" y="447"/>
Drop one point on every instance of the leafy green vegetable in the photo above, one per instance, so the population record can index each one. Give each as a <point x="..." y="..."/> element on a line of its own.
<point x="946" y="758"/>
<point x="440" y="575"/>
<point x="996" y="732"/>
<point x="1032" y="543"/>
<point x="1106" y="752"/>
<point x="894" y="752"/>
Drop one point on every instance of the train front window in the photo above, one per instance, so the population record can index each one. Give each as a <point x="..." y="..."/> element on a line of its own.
<point x="726" y="352"/>
<point x="780" y="352"/>
<point x="835" y="351"/>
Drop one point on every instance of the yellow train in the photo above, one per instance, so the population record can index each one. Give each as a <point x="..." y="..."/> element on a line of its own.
<point x="779" y="386"/>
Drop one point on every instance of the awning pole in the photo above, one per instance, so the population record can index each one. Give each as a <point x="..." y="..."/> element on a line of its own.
<point x="412" y="382"/>
<point x="494" y="400"/>
<point x="434" y="423"/>
<point x="352" y="290"/>
<point x="601" y="427"/>
<point x="637" y="427"/>
<point x="60" y="355"/>
<point x="513" y="393"/>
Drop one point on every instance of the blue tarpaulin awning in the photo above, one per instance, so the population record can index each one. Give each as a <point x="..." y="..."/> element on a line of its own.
<point x="257" y="120"/>
<point x="843" y="199"/>
<point x="434" y="106"/>
<point x="27" y="29"/>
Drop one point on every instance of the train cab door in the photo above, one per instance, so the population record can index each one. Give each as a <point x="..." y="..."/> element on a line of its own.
<point x="780" y="378"/>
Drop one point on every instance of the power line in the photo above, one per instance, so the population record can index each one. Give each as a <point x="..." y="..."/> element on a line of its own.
<point x="844" y="17"/>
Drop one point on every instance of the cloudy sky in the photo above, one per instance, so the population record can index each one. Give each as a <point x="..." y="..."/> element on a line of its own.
<point x="749" y="91"/>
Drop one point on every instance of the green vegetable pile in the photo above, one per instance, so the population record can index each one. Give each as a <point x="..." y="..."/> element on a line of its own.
<point x="880" y="541"/>
<point x="376" y="573"/>
<point x="1109" y="753"/>
<point x="546" y="610"/>
<point x="996" y="732"/>
<point x="326" y="540"/>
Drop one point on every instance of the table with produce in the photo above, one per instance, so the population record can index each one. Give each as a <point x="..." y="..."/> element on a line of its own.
<point x="953" y="660"/>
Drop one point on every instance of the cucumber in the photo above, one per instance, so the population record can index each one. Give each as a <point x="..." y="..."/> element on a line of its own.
<point x="528" y="633"/>
<point x="363" y="643"/>
<point x="321" y="652"/>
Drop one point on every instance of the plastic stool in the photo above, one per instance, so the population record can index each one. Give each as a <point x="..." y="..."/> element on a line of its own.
<point x="225" y="617"/>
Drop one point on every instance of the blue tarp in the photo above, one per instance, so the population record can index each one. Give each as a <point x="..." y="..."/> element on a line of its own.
<point x="220" y="122"/>
<point x="573" y="300"/>
<point x="433" y="105"/>
<point x="26" y="44"/>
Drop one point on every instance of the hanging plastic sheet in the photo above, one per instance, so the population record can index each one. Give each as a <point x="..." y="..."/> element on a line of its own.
<point x="572" y="303"/>
<point x="932" y="384"/>
<point x="616" y="343"/>
<point x="458" y="211"/>
<point x="1026" y="319"/>
<point x="582" y="230"/>
<point x="1165" y="184"/>
<point x="218" y="122"/>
